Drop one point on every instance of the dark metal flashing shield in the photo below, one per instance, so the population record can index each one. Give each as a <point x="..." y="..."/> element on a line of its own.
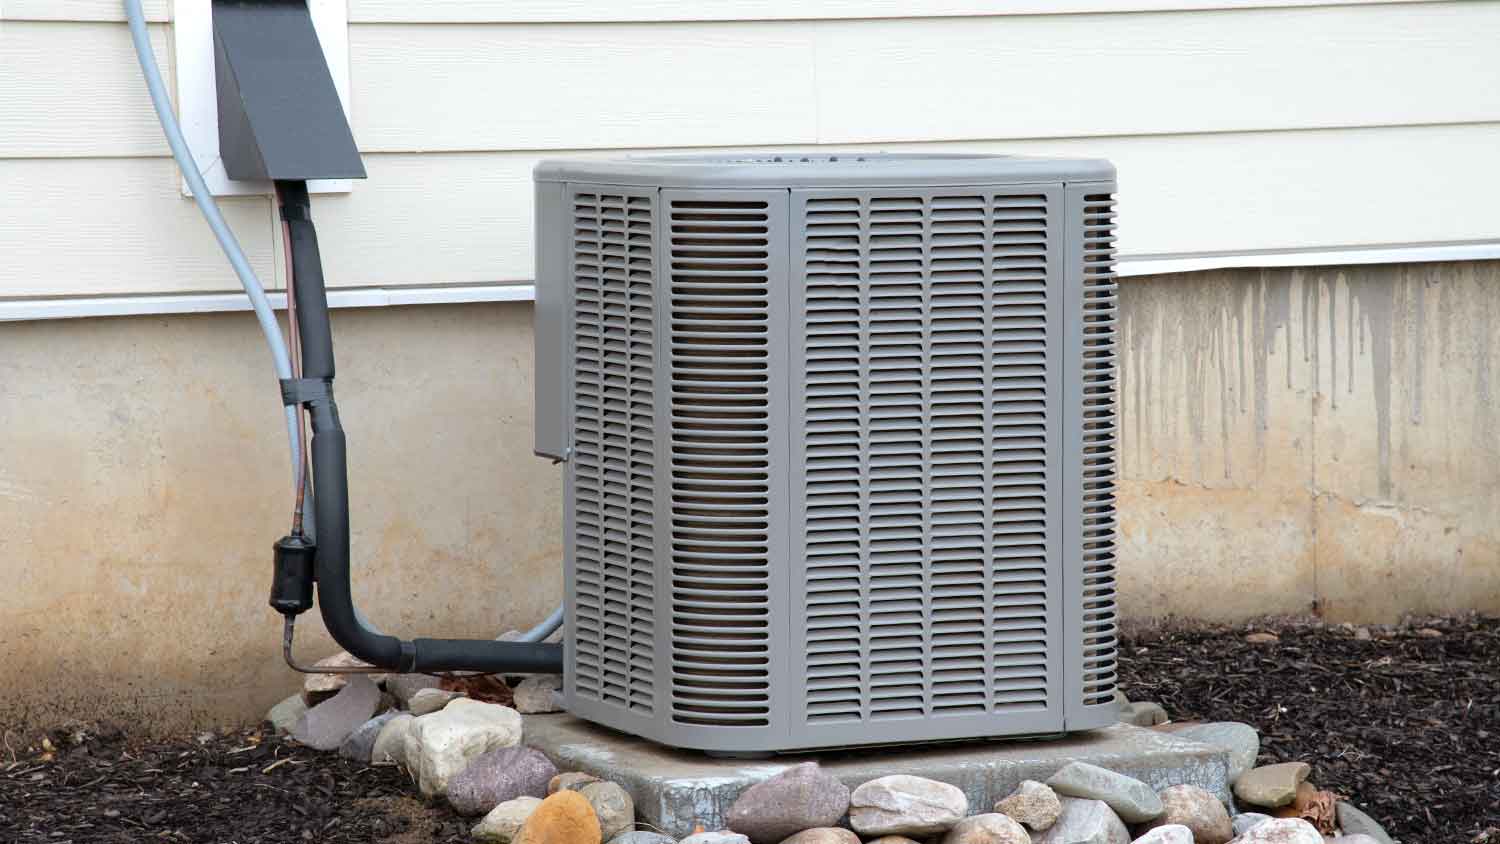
<point x="279" y="113"/>
<point x="840" y="433"/>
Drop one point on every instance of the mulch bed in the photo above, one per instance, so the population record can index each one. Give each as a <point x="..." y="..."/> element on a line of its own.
<point x="1406" y="724"/>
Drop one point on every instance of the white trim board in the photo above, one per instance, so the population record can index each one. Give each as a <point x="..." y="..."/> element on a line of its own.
<point x="15" y="310"/>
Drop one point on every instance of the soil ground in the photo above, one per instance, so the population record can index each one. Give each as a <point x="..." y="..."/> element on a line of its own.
<point x="1405" y="723"/>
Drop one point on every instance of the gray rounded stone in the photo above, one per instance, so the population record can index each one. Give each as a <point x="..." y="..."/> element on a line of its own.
<point x="1033" y="804"/>
<point x="1143" y="713"/>
<point x="906" y="805"/>
<point x="1354" y="822"/>
<point x="360" y="744"/>
<point x="1245" y="820"/>
<point x="992" y="828"/>
<point x="498" y="776"/>
<point x="801" y="797"/>
<point x="719" y="836"/>
<point x="325" y="726"/>
<point x="403" y="686"/>
<point x="1085" y="822"/>
<point x="570" y="781"/>
<point x="1241" y="741"/>
<point x="641" y="836"/>
<point x="284" y="716"/>
<point x="612" y="805"/>
<point x="1356" y="838"/>
<point x="1131" y="799"/>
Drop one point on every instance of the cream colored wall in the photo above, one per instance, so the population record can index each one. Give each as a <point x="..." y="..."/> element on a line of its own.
<point x="1311" y="439"/>
<point x="1289" y="437"/>
<point x="1237" y="125"/>
<point x="143" y="478"/>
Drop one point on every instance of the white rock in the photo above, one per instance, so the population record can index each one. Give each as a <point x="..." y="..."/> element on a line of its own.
<point x="505" y="820"/>
<point x="390" y="744"/>
<point x="440" y="745"/>
<point x="1085" y="822"/>
<point x="1172" y="833"/>
<point x="720" y="836"/>
<point x="536" y="695"/>
<point x="906" y="805"/>
<point x="428" y="701"/>
<point x="1282" y="831"/>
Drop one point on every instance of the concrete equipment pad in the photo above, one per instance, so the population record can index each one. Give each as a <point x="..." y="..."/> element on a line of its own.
<point x="677" y="790"/>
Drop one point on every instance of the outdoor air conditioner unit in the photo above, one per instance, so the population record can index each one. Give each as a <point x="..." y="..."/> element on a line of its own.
<point x="839" y="433"/>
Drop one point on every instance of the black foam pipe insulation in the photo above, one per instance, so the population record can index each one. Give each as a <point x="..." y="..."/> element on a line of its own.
<point x="331" y="481"/>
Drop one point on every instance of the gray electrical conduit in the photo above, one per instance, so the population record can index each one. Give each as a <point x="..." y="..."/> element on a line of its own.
<point x="264" y="314"/>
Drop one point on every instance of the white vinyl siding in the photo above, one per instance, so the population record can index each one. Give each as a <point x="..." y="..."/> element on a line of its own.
<point x="1237" y="126"/>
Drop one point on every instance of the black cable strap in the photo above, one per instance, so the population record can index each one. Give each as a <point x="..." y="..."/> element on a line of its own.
<point x="305" y="390"/>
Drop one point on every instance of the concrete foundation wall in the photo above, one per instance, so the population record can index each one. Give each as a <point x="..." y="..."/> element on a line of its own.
<point x="1291" y="439"/>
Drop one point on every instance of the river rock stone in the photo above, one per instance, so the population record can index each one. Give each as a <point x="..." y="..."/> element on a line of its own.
<point x="802" y="797"/>
<point x="1241" y="741"/>
<point x="612" y="805"/>
<point x="1356" y="838"/>
<point x="319" y="687"/>
<point x="325" y="726"/>
<point x="1172" y="833"/>
<point x="1085" y="822"/>
<point x="1354" y="822"/>
<point x="538" y="694"/>
<point x="991" y="828"/>
<point x="719" y="836"/>
<point x="403" y="686"/>
<point x="563" y="818"/>
<point x="1271" y="786"/>
<point x="1033" y="804"/>
<point x="823" y="835"/>
<point x="498" y="776"/>
<point x="1198" y="810"/>
<point x="1131" y="799"/>
<point x="906" y="805"/>
<point x="390" y="745"/>
<point x="361" y="743"/>
<point x="570" y="781"/>
<point x="892" y="839"/>
<point x="428" y="701"/>
<point x="1282" y="831"/>
<point x="440" y="745"/>
<point x="283" y="716"/>
<point x="1245" y="820"/>
<point x="641" y="836"/>
<point x="1143" y="713"/>
<point x="504" y="821"/>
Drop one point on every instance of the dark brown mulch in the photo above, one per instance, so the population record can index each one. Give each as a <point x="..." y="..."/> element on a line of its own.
<point x="1405" y="724"/>
<point x="242" y="787"/>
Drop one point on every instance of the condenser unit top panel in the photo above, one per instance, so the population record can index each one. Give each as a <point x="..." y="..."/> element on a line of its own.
<point x="808" y="170"/>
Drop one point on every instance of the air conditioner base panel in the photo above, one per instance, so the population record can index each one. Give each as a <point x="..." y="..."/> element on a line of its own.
<point x="677" y="790"/>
